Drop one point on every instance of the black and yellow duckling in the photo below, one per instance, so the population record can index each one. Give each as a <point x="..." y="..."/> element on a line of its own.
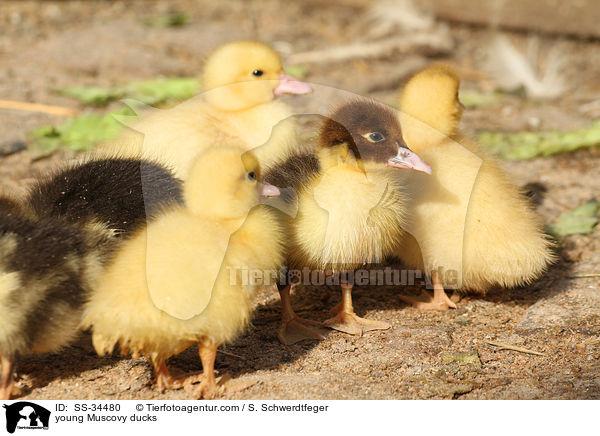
<point x="352" y="205"/>
<point x="54" y="244"/>
<point x="121" y="193"/>
<point x="47" y="268"/>
<point x="176" y="282"/>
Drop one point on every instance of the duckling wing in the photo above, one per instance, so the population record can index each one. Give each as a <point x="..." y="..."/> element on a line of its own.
<point x="392" y="201"/>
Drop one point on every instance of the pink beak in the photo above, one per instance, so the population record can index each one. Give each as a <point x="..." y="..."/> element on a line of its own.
<point x="290" y="85"/>
<point x="409" y="159"/>
<point x="267" y="190"/>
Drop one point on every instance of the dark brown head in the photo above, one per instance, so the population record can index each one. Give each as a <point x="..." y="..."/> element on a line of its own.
<point x="372" y="133"/>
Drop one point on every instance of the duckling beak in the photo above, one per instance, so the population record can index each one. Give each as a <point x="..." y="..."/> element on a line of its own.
<point x="267" y="190"/>
<point x="407" y="158"/>
<point x="291" y="85"/>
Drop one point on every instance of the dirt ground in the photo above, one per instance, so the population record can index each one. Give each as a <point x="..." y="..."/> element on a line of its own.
<point x="426" y="355"/>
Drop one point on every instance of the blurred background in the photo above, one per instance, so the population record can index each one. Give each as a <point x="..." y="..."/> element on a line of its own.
<point x="525" y="66"/>
<point x="530" y="85"/>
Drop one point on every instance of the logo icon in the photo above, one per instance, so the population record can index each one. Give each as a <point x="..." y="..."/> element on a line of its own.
<point x="26" y="415"/>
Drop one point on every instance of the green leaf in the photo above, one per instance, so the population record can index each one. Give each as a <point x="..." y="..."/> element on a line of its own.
<point x="473" y="99"/>
<point x="174" y="19"/>
<point x="580" y="220"/>
<point x="44" y="141"/>
<point x="85" y="131"/>
<point x="298" y="71"/>
<point x="91" y="95"/>
<point x="79" y="133"/>
<point x="528" y="145"/>
<point x="152" y="92"/>
<point x="162" y="90"/>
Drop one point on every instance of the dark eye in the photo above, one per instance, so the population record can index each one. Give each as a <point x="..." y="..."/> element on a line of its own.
<point x="374" y="137"/>
<point x="251" y="176"/>
<point x="257" y="73"/>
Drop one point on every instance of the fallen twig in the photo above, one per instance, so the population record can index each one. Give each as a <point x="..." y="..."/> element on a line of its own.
<point x="227" y="353"/>
<point x="504" y="346"/>
<point x="583" y="276"/>
<point x="422" y="42"/>
<point x="37" y="107"/>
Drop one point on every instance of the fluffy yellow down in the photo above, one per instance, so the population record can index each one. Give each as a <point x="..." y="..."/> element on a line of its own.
<point x="347" y="217"/>
<point x="236" y="108"/>
<point x="467" y="217"/>
<point x="182" y="279"/>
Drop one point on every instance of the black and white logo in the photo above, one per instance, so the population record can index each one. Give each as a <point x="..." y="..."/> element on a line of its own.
<point x="24" y="415"/>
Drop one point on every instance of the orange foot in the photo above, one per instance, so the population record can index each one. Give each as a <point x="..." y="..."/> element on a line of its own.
<point x="345" y="320"/>
<point x="297" y="329"/>
<point x="293" y="328"/>
<point x="8" y="392"/>
<point x="7" y="385"/>
<point x="439" y="301"/>
<point x="351" y="323"/>
<point x="425" y="301"/>
<point x="165" y="381"/>
<point x="207" y="390"/>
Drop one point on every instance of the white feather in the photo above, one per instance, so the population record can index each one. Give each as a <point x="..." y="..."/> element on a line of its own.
<point x="390" y="15"/>
<point x="512" y="69"/>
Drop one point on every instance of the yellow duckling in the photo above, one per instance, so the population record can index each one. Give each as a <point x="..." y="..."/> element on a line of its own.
<point x="471" y="227"/>
<point x="179" y="281"/>
<point x="351" y="203"/>
<point x="242" y="80"/>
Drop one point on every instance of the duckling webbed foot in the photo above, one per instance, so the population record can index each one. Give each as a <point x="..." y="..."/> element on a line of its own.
<point x="164" y="380"/>
<point x="440" y="301"/>
<point x="223" y="384"/>
<point x="298" y="329"/>
<point x="206" y="391"/>
<point x="208" y="386"/>
<point x="353" y="324"/>
<point x="293" y="328"/>
<point x="426" y="302"/>
<point x="349" y="322"/>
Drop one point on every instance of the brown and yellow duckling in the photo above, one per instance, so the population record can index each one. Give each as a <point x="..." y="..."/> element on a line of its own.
<point x="352" y="205"/>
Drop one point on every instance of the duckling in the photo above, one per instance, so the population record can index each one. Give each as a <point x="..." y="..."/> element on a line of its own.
<point x="121" y="193"/>
<point x="351" y="204"/>
<point x="69" y="222"/>
<point x="47" y="268"/>
<point x="471" y="227"/>
<point x="242" y="80"/>
<point x="178" y="281"/>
